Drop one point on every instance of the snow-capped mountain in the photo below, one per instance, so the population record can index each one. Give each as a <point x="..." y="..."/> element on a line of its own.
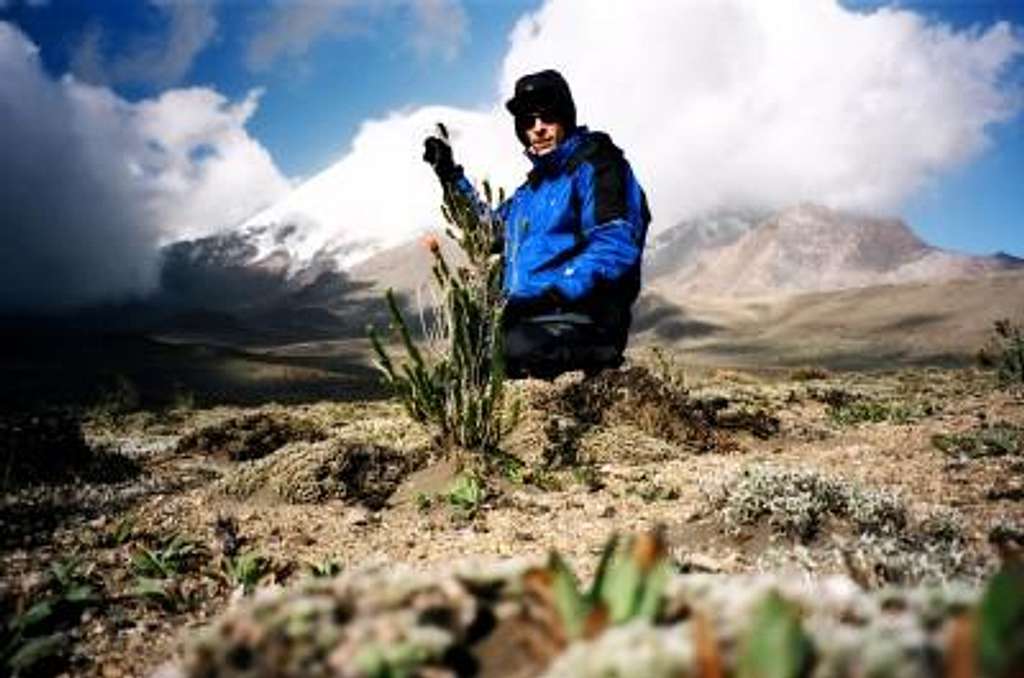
<point x="307" y="226"/>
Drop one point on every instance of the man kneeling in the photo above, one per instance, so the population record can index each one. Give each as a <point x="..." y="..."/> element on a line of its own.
<point x="573" y="236"/>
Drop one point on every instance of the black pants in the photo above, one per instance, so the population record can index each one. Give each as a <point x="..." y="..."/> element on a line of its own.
<point x="546" y="346"/>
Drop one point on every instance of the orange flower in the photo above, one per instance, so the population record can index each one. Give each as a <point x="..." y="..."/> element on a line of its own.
<point x="431" y="242"/>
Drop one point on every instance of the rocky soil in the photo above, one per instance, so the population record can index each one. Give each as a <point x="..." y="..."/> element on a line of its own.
<point x="138" y="529"/>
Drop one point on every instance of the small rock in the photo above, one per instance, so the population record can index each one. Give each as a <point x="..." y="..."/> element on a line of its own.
<point x="700" y="562"/>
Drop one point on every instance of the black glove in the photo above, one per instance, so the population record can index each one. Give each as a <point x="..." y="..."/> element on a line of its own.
<point x="438" y="154"/>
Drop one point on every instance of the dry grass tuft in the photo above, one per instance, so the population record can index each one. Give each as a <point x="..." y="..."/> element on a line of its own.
<point x="249" y="436"/>
<point x="353" y="471"/>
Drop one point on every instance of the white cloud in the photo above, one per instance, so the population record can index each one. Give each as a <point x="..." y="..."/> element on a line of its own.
<point x="739" y="103"/>
<point x="159" y="59"/>
<point x="769" y="103"/>
<point x="441" y="27"/>
<point x="292" y="27"/>
<point x="91" y="185"/>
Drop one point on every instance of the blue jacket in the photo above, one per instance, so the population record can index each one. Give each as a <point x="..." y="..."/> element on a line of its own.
<point x="575" y="230"/>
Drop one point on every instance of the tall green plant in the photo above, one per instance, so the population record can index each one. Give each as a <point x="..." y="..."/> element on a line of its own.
<point x="1010" y="339"/>
<point x="456" y="380"/>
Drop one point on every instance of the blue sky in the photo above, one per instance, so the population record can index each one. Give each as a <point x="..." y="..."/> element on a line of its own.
<point x="312" y="104"/>
<point x="220" y="105"/>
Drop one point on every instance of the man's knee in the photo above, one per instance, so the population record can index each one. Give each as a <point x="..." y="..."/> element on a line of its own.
<point x="547" y="349"/>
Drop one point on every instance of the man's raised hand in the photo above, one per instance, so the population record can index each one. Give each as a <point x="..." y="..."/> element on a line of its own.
<point x="437" y="153"/>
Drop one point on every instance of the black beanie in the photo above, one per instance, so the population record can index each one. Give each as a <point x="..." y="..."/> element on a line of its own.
<point x="545" y="91"/>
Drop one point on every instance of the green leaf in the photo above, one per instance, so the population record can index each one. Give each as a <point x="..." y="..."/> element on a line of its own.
<point x="36" y="614"/>
<point x="570" y="603"/>
<point x="158" y="590"/>
<point x="123" y="530"/>
<point x="775" y="645"/>
<point x="653" y="594"/>
<point x="148" y="564"/>
<point x="82" y="593"/>
<point x="600" y="577"/>
<point x="1001" y="624"/>
<point x="65" y="571"/>
<point x="400" y="660"/>
<point x="466" y="492"/>
<point x="620" y="594"/>
<point x="247" y="569"/>
<point x="35" y="650"/>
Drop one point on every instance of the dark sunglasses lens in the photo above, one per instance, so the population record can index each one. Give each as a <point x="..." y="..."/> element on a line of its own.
<point x="527" y="121"/>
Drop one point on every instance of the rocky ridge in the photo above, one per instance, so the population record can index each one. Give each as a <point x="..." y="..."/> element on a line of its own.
<point x="810" y="248"/>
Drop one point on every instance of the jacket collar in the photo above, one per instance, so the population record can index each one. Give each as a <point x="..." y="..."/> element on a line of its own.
<point x="555" y="161"/>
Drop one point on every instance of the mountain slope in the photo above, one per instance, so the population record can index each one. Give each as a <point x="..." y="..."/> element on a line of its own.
<point x="676" y="249"/>
<point x="937" y="323"/>
<point x="811" y="248"/>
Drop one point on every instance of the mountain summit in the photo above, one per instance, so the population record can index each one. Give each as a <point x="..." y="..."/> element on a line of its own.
<point x="810" y="248"/>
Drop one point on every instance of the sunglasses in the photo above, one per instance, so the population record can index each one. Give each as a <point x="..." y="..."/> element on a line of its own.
<point x="526" y="120"/>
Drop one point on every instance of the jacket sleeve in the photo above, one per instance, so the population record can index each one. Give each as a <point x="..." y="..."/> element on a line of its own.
<point x="613" y="223"/>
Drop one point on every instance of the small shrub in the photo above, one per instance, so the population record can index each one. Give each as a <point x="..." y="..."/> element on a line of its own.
<point x="1005" y="353"/>
<point x="629" y="584"/>
<point x="35" y="641"/>
<point x="456" y="382"/>
<point x="122" y="531"/>
<point x="245" y="570"/>
<point x="997" y="440"/>
<point x="668" y="369"/>
<point x="162" y="592"/>
<point x="651" y="491"/>
<point x="876" y="411"/>
<point x="943" y="525"/>
<point x="424" y="501"/>
<point x="466" y="493"/>
<point x="118" y="399"/>
<point x="72" y="582"/>
<point x="875" y="512"/>
<point x="811" y="373"/>
<point x="326" y="568"/>
<point x="182" y="399"/>
<point x="796" y="503"/>
<point x="172" y="557"/>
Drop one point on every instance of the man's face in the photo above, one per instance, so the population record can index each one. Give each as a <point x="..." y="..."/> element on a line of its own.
<point x="543" y="133"/>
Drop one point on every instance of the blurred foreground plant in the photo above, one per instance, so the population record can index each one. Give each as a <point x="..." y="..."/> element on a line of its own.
<point x="629" y="584"/>
<point x="455" y="382"/>
<point x="35" y="640"/>
<point x="637" y="618"/>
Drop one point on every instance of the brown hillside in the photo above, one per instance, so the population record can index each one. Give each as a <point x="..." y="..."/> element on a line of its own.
<point x="810" y="248"/>
<point x="920" y="322"/>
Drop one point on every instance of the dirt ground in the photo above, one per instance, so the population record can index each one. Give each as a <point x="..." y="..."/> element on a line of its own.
<point x="899" y="477"/>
